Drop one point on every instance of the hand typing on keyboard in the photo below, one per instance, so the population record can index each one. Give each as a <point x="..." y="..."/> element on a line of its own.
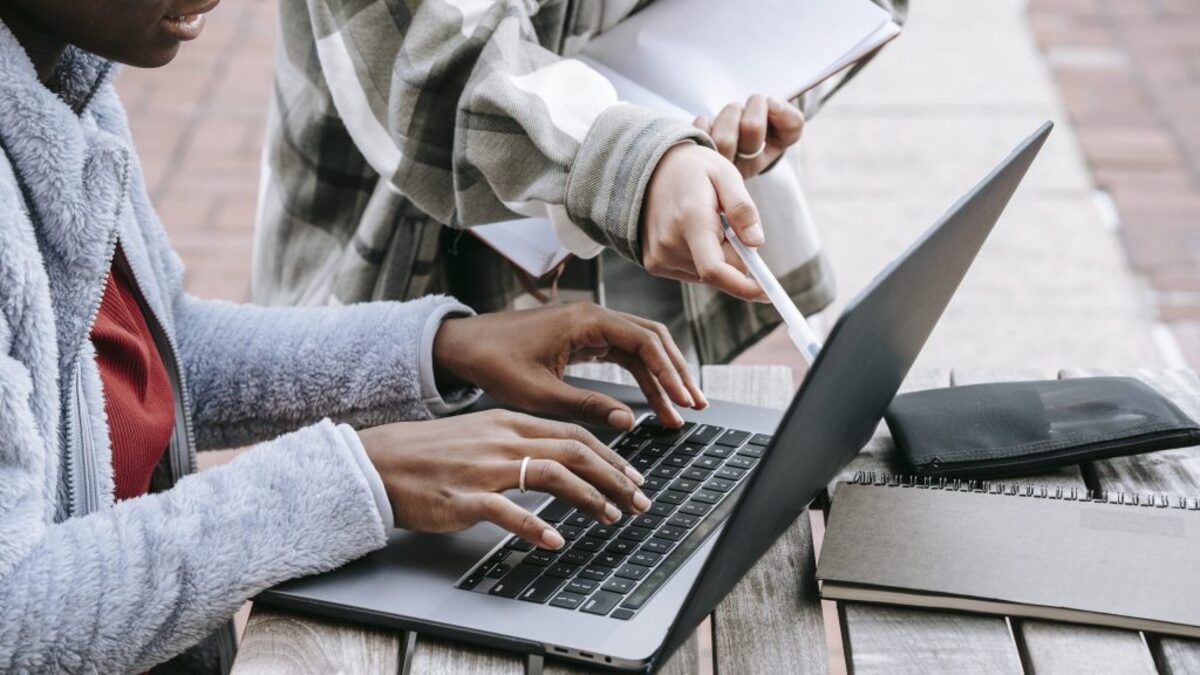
<point x="446" y="475"/>
<point x="693" y="474"/>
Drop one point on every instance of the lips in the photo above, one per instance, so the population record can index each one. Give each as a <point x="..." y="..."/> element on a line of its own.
<point x="187" y="22"/>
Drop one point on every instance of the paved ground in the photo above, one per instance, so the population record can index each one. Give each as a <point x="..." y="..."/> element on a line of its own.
<point x="1129" y="73"/>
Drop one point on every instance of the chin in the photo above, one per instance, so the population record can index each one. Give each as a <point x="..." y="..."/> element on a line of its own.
<point x="151" y="58"/>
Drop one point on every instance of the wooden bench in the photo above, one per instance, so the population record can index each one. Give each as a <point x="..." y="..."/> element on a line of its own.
<point x="773" y="621"/>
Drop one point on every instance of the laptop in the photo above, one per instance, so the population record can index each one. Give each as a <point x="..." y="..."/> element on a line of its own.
<point x="723" y="488"/>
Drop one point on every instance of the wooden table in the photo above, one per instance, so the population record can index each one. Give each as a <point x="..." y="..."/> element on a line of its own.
<point x="772" y="622"/>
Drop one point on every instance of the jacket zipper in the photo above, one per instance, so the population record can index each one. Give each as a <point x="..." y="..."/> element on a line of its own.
<point x="83" y="491"/>
<point x="1145" y="443"/>
<point x="182" y="459"/>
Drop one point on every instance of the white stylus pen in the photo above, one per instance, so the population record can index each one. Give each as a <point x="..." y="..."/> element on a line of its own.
<point x="798" y="330"/>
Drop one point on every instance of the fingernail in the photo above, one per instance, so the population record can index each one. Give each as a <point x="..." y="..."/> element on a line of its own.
<point x="753" y="235"/>
<point x="702" y="400"/>
<point x="612" y="513"/>
<point x="620" y="419"/>
<point x="641" y="502"/>
<point x="634" y="475"/>
<point x="552" y="539"/>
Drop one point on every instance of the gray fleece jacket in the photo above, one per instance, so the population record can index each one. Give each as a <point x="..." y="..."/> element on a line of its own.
<point x="90" y="585"/>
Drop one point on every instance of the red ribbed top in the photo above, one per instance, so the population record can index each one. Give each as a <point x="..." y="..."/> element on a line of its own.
<point x="137" y="392"/>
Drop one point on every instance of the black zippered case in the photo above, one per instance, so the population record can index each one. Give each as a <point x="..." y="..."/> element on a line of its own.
<point x="1018" y="428"/>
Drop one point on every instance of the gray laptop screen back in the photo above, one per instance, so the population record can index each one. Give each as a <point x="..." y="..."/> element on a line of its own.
<point x="854" y="379"/>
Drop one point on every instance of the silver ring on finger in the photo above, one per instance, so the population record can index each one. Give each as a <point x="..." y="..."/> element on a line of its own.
<point x="753" y="155"/>
<point x="524" y="469"/>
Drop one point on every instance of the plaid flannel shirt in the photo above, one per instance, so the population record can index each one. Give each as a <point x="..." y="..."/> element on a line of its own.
<point x="397" y="123"/>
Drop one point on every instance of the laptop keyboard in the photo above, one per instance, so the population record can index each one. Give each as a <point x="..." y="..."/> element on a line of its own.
<point x="693" y="476"/>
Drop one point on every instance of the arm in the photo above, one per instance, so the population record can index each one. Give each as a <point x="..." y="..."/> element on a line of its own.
<point x="471" y="119"/>
<point x="135" y="584"/>
<point x="254" y="372"/>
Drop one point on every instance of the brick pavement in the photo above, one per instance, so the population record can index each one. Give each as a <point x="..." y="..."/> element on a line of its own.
<point x="1129" y="75"/>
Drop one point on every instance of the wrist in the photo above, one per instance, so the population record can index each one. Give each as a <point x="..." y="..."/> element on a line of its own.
<point x="450" y="349"/>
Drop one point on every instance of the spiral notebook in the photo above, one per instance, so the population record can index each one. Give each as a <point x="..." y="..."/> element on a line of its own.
<point x="1120" y="560"/>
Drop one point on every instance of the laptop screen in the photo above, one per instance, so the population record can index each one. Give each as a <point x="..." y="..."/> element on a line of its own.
<point x="853" y="380"/>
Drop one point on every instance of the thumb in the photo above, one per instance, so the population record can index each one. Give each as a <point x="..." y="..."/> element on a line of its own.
<point x="739" y="208"/>
<point x="590" y="407"/>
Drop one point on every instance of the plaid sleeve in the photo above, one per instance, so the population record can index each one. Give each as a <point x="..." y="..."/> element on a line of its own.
<point x="459" y="106"/>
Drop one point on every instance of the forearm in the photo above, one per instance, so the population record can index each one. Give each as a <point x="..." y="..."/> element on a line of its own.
<point x="255" y="372"/>
<point x="135" y="584"/>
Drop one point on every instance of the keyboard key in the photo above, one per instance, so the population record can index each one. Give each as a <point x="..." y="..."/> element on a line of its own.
<point x="729" y="473"/>
<point x="647" y="521"/>
<point x="742" y="461"/>
<point x="666" y="471"/>
<point x="540" y="558"/>
<point x="721" y="451"/>
<point x="569" y="532"/>
<point x="656" y="449"/>
<point x="516" y="581"/>
<point x="601" y="603"/>
<point x="635" y="533"/>
<point x="706" y="496"/>
<point x="661" y="509"/>
<point x="654" y="484"/>
<point x="569" y="601"/>
<point x="643" y="463"/>
<point x="635" y="572"/>
<point x="696" y="473"/>
<point x="589" y="545"/>
<point x="652" y="424"/>
<point x="555" y="511"/>
<point x="760" y="439"/>
<point x="752" y="451"/>
<point x="695" y="508"/>
<point x="718" y="485"/>
<point x="645" y="559"/>
<point x="581" y="586"/>
<point x="671" y="532"/>
<point x="620" y="547"/>
<point x="541" y="590"/>
<point x="623" y="614"/>
<point x="595" y="573"/>
<point x="677" y="460"/>
<point x="708" y="463"/>
<point x="659" y="546"/>
<point x="471" y="581"/>
<point x="562" y="570"/>
<point x="519" y="545"/>
<point x="674" y="435"/>
<point x="705" y="434"/>
<point x="690" y="449"/>
<point x="498" y="556"/>
<point x="580" y="519"/>
<point x="497" y="570"/>
<point x="603" y="531"/>
<point x="608" y="560"/>
<point x="683" y="520"/>
<point x="685" y="485"/>
<point x="733" y="438"/>
<point x="672" y="497"/>
<point x="618" y="585"/>
<point x="574" y="557"/>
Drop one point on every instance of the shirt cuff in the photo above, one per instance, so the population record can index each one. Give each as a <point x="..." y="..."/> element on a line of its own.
<point x="432" y="398"/>
<point x="572" y="237"/>
<point x="374" y="480"/>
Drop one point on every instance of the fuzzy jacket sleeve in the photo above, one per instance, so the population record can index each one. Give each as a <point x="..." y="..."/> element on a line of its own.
<point x="254" y="372"/>
<point x="136" y="584"/>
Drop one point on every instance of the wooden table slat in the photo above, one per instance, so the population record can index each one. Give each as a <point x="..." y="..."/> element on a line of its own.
<point x="773" y="617"/>
<point x="277" y="641"/>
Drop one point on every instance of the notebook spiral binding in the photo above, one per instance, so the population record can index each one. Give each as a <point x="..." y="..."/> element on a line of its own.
<point x="1148" y="499"/>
